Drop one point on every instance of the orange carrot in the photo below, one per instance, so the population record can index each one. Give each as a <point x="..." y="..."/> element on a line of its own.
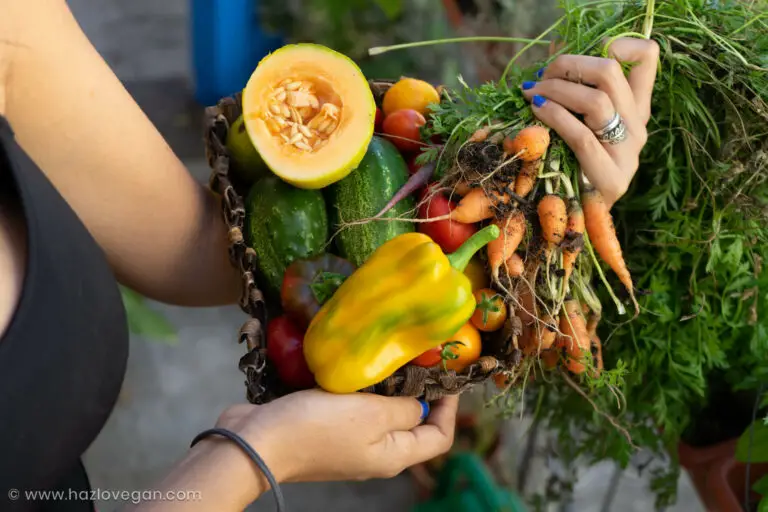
<point x="480" y="135"/>
<point x="526" y="310"/>
<point x="550" y="357"/>
<point x="502" y="248"/>
<point x="575" y="336"/>
<point x="574" y="237"/>
<point x="514" y="265"/>
<point x="526" y="178"/>
<point x="597" y="355"/>
<point x="529" y="144"/>
<point x="602" y="234"/>
<point x="547" y="334"/>
<point x="552" y="216"/>
<point x="542" y="337"/>
<point x="592" y="321"/>
<point x="462" y="187"/>
<point x="476" y="206"/>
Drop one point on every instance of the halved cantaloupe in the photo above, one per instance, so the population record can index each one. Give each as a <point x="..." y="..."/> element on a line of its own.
<point x="310" y="114"/>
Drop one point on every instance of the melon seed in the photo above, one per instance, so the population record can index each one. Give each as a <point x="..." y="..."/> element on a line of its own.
<point x="325" y="126"/>
<point x="285" y="111"/>
<point x="275" y="109"/>
<point x="292" y="86"/>
<point x="295" y="138"/>
<point x="303" y="145"/>
<point x="306" y="131"/>
<point x="294" y="114"/>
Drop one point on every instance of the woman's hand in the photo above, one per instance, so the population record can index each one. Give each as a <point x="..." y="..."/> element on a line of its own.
<point x="317" y="436"/>
<point x="307" y="436"/>
<point x="597" y="89"/>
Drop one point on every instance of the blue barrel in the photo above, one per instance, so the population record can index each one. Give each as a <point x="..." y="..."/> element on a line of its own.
<point x="227" y="43"/>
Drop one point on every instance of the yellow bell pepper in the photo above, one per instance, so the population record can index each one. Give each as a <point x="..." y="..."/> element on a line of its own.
<point x="407" y="298"/>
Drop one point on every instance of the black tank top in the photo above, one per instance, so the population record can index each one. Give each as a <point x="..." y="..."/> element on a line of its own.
<point x="63" y="356"/>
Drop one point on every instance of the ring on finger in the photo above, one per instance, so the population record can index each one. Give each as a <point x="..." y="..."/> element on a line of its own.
<point x="613" y="132"/>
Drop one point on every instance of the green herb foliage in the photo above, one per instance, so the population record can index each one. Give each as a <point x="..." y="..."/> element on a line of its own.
<point x="693" y="226"/>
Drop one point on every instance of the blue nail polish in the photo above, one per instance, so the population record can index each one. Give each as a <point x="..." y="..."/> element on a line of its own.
<point x="539" y="101"/>
<point x="424" y="409"/>
<point x="540" y="73"/>
<point x="528" y="85"/>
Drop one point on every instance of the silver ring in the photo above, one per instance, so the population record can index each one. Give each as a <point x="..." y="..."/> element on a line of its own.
<point x="613" y="132"/>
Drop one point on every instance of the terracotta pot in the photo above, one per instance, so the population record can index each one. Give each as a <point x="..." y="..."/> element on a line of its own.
<point x="699" y="462"/>
<point x="726" y="483"/>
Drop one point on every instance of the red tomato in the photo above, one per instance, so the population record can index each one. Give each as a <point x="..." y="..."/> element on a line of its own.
<point x="285" y="348"/>
<point x="379" y="120"/>
<point x="429" y="358"/>
<point x="403" y="128"/>
<point x="448" y="234"/>
<point x="413" y="167"/>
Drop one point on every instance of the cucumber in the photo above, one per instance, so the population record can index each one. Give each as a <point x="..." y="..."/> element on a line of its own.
<point x="362" y="194"/>
<point x="282" y="224"/>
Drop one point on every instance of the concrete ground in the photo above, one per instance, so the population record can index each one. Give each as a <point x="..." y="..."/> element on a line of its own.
<point x="172" y="391"/>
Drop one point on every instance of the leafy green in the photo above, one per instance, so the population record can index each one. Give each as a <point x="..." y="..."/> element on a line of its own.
<point x="143" y="320"/>
<point x="752" y="445"/>
<point x="761" y="486"/>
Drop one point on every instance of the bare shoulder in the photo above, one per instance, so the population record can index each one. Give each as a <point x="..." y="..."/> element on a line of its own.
<point x="13" y="252"/>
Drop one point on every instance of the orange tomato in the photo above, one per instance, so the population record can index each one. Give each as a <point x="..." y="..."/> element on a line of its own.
<point x="410" y="93"/>
<point x="491" y="312"/>
<point x="463" y="348"/>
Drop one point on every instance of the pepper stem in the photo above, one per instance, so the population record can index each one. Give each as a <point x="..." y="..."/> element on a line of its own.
<point x="460" y="258"/>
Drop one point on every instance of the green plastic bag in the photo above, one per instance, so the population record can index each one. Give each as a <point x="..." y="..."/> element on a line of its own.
<point x="465" y="485"/>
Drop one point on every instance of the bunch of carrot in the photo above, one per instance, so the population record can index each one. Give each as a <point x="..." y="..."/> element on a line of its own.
<point x="536" y="278"/>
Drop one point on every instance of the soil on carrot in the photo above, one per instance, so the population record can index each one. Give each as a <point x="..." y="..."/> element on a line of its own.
<point x="479" y="159"/>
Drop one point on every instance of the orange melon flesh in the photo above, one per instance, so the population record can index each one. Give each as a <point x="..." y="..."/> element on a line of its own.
<point x="335" y="107"/>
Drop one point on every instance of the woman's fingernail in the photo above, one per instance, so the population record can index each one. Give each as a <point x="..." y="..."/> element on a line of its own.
<point x="539" y="101"/>
<point x="528" y="85"/>
<point x="540" y="72"/>
<point x="424" y="409"/>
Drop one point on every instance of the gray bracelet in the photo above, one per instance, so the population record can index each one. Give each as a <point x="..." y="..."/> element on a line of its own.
<point x="254" y="457"/>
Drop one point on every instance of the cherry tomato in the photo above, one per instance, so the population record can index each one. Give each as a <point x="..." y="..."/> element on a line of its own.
<point x="448" y="234"/>
<point x="463" y="348"/>
<point x="429" y="358"/>
<point x="491" y="312"/>
<point x="403" y="127"/>
<point x="379" y="120"/>
<point x="285" y="348"/>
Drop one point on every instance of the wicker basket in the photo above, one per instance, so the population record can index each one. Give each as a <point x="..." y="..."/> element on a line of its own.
<point x="499" y="352"/>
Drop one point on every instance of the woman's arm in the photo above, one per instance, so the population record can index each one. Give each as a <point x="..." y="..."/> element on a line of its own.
<point x="160" y="229"/>
<point x="307" y="436"/>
